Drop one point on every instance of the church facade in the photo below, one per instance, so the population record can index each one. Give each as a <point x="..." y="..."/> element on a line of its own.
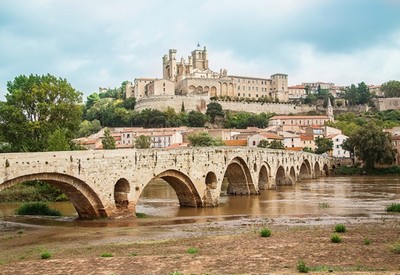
<point x="193" y="77"/>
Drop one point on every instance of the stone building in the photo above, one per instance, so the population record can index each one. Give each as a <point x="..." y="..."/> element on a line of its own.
<point x="193" y="77"/>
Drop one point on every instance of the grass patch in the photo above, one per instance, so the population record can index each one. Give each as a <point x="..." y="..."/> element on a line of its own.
<point x="192" y="250"/>
<point x="36" y="208"/>
<point x="141" y="215"/>
<point x="106" y="255"/>
<point x="175" y="273"/>
<point x="394" y="207"/>
<point x="396" y="248"/>
<point x="265" y="232"/>
<point x="340" y="228"/>
<point x="45" y="255"/>
<point x="335" y="238"/>
<point x="133" y="254"/>
<point x="301" y="267"/>
<point x="367" y="241"/>
<point x="324" y="268"/>
<point x="324" y="205"/>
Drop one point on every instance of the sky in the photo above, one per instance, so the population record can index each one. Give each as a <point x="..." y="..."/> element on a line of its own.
<point x="101" y="43"/>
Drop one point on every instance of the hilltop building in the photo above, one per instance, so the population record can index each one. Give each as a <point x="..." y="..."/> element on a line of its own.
<point x="193" y="77"/>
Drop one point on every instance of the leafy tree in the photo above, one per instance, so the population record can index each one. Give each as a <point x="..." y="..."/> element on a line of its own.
<point x="91" y="100"/>
<point x="143" y="142"/>
<point x="263" y="143"/>
<point x="310" y="99"/>
<point x="357" y="95"/>
<point x="108" y="140"/>
<point x="276" y="144"/>
<point x="86" y="128"/>
<point x="371" y="145"/>
<point x="196" y="119"/>
<point x="204" y="139"/>
<point x="214" y="109"/>
<point x="150" y="118"/>
<point x="391" y="88"/>
<point x="308" y="150"/>
<point x="58" y="141"/>
<point x="35" y="107"/>
<point x="323" y="145"/>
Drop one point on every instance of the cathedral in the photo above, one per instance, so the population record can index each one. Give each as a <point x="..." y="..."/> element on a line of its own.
<point x="193" y="77"/>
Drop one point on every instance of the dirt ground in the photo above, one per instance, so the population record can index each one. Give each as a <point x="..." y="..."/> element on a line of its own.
<point x="218" y="247"/>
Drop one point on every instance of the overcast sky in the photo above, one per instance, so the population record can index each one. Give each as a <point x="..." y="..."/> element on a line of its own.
<point x="99" y="43"/>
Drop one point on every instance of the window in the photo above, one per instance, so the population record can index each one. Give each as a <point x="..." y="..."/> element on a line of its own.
<point x="238" y="87"/>
<point x="238" y="94"/>
<point x="254" y="143"/>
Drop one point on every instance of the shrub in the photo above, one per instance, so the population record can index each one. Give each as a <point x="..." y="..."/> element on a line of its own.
<point x="106" y="255"/>
<point x="340" y="228"/>
<point x="141" y="215"/>
<point x="396" y="248"/>
<point x="265" y="232"/>
<point x="45" y="255"/>
<point x="301" y="267"/>
<point x="335" y="238"/>
<point x="394" y="207"/>
<point x="36" y="208"/>
<point x="192" y="250"/>
<point x="367" y="241"/>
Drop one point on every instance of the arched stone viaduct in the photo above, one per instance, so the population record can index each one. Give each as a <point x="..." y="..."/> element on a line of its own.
<point x="109" y="182"/>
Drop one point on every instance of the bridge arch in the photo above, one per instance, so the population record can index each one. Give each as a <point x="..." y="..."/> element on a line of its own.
<point x="326" y="170"/>
<point x="305" y="170"/>
<point x="85" y="200"/>
<point x="121" y="191"/>
<point x="211" y="180"/>
<point x="183" y="187"/>
<point x="280" y="178"/>
<point x="239" y="178"/>
<point x="263" y="177"/>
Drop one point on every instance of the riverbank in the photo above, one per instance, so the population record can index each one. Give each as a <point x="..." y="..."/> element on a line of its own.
<point x="210" y="247"/>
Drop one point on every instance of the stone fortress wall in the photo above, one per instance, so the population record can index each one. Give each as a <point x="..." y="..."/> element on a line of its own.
<point x="199" y="103"/>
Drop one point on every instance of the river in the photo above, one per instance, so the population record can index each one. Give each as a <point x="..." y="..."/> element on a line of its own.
<point x="334" y="197"/>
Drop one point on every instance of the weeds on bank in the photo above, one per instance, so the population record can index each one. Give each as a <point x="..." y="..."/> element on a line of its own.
<point x="340" y="228"/>
<point x="265" y="232"/>
<point x="36" y="208"/>
<point x="335" y="238"/>
<point x="301" y="267"/>
<point x="324" y="268"/>
<point x="367" y="241"/>
<point x="394" y="207"/>
<point x="175" y="273"/>
<point x="106" y="255"/>
<point x="141" y="215"/>
<point x="45" y="255"/>
<point x="396" y="248"/>
<point x="192" y="250"/>
<point x="323" y="205"/>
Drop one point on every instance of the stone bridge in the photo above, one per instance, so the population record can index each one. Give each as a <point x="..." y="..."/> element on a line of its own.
<point x="109" y="183"/>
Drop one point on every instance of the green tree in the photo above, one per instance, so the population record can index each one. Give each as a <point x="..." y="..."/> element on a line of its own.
<point x="108" y="140"/>
<point x="391" y="88"/>
<point x="323" y="145"/>
<point x="276" y="144"/>
<point x="196" y="119"/>
<point x="91" y="100"/>
<point x="204" y="139"/>
<point x="86" y="128"/>
<point x="143" y="142"/>
<point x="308" y="150"/>
<point x="58" y="141"/>
<point x="263" y="143"/>
<point x="35" y="107"/>
<point x="371" y="145"/>
<point x="214" y="109"/>
<point x="357" y="95"/>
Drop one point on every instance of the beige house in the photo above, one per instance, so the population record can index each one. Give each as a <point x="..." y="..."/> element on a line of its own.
<point x="254" y="140"/>
<point x="298" y="120"/>
<point x="291" y="140"/>
<point x="296" y="92"/>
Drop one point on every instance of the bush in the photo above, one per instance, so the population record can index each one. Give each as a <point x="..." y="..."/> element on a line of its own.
<point x="265" y="232"/>
<point x="106" y="255"/>
<point x="301" y="267"/>
<point x="335" y="238"/>
<point x="45" y="255"/>
<point x="36" y="208"/>
<point x="340" y="228"/>
<point x="396" y="248"/>
<point x="141" y="215"/>
<point x="367" y="241"/>
<point x="192" y="250"/>
<point x="394" y="207"/>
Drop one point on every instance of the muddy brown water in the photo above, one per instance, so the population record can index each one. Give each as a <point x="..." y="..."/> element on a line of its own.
<point x="332" y="197"/>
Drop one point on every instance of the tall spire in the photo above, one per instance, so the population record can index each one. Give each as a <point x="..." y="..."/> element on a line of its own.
<point x="329" y="110"/>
